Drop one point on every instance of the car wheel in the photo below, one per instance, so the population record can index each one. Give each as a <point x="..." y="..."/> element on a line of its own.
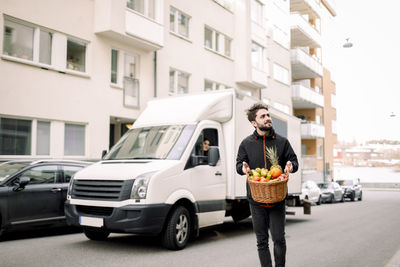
<point x="95" y="234"/>
<point x="177" y="230"/>
<point x="360" y="197"/>
<point x="319" y="201"/>
<point x="342" y="199"/>
<point x="352" y="197"/>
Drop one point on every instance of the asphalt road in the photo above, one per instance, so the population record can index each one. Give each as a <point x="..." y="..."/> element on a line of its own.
<point x="365" y="233"/>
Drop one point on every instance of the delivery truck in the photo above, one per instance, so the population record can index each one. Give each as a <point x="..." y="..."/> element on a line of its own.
<point x="158" y="180"/>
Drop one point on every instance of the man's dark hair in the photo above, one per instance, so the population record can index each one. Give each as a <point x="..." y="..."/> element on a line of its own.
<point x="251" y="112"/>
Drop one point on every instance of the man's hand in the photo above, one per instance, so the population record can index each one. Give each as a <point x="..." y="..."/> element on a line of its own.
<point x="288" y="167"/>
<point x="246" y="168"/>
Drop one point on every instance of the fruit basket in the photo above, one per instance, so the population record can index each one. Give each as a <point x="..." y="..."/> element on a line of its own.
<point x="269" y="192"/>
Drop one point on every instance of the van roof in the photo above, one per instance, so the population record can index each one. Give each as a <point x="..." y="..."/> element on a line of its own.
<point x="186" y="109"/>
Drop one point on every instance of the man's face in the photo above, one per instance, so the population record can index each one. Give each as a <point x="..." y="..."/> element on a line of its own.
<point x="263" y="120"/>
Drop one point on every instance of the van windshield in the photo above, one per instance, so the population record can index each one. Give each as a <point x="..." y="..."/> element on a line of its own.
<point x="157" y="142"/>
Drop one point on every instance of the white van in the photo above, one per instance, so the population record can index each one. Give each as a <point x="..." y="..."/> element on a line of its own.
<point x="157" y="180"/>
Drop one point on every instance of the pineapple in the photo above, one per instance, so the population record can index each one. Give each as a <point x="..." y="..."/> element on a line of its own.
<point x="272" y="156"/>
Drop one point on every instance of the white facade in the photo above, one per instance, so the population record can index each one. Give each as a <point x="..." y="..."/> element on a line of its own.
<point x="75" y="74"/>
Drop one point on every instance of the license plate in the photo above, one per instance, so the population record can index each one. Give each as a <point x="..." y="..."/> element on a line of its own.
<point x="90" y="221"/>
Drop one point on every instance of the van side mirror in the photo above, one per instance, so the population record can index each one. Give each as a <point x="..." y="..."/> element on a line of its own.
<point x="103" y="153"/>
<point x="21" y="183"/>
<point x="213" y="155"/>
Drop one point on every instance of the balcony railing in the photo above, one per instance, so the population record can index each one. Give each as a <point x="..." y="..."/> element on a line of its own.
<point x="304" y="66"/>
<point x="303" y="33"/>
<point x="304" y="97"/>
<point x="309" y="7"/>
<point x="330" y="6"/>
<point x="309" y="162"/>
<point x="312" y="130"/>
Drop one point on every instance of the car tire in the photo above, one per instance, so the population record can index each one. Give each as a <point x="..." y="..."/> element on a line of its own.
<point x="342" y="199"/>
<point x="96" y="234"/>
<point x="360" y="197"/>
<point x="177" y="230"/>
<point x="353" y="196"/>
<point x="319" y="200"/>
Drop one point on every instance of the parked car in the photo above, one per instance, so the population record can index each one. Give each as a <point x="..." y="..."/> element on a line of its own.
<point x="331" y="192"/>
<point x="32" y="193"/>
<point x="352" y="188"/>
<point x="310" y="191"/>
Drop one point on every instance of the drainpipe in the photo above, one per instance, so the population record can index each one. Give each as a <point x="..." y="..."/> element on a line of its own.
<point x="155" y="74"/>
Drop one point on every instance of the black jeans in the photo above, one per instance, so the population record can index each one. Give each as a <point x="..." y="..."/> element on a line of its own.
<point x="272" y="218"/>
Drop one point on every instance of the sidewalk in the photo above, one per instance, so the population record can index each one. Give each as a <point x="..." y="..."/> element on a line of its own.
<point x="394" y="261"/>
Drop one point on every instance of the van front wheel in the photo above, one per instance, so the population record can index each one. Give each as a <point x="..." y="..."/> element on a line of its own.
<point x="95" y="234"/>
<point x="177" y="229"/>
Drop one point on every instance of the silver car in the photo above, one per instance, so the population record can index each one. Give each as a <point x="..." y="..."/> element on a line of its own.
<point x="331" y="192"/>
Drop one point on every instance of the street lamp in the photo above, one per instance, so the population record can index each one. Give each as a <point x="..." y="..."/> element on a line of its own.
<point x="347" y="44"/>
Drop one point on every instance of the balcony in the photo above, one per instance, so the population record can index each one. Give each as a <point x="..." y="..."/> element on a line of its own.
<point x="330" y="6"/>
<point x="312" y="130"/>
<point x="114" y="20"/>
<point x="308" y="7"/>
<point x="304" y="66"/>
<point x="303" y="33"/>
<point x="306" y="98"/>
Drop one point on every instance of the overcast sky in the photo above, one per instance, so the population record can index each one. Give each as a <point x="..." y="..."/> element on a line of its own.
<point x="367" y="76"/>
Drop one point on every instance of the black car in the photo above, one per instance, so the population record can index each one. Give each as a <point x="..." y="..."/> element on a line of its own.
<point x="352" y="189"/>
<point x="32" y="193"/>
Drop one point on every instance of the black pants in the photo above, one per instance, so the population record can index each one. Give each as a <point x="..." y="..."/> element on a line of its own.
<point x="272" y="218"/>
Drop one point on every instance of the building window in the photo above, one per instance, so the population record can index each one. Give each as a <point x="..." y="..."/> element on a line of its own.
<point x="178" y="82"/>
<point x="257" y="11"/>
<point x="212" y="86"/>
<point x="131" y="83"/>
<point x="15" y="136"/>
<point x="333" y="101"/>
<point x="179" y="22"/>
<point x="46" y="39"/>
<point x="114" y="66"/>
<point x="76" y="55"/>
<point x="144" y="7"/>
<point x="217" y="41"/>
<point x="257" y="59"/>
<point x="281" y="74"/>
<point x="18" y="39"/>
<point x="334" y="130"/>
<point x="74" y="140"/>
<point x="43" y="138"/>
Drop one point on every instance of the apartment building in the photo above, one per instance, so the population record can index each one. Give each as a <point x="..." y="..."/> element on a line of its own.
<point x="76" y="74"/>
<point x="310" y="86"/>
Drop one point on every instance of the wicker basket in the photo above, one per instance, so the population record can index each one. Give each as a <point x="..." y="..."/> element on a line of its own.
<point x="268" y="192"/>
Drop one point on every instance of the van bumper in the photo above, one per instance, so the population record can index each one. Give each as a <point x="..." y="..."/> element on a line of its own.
<point x="138" y="219"/>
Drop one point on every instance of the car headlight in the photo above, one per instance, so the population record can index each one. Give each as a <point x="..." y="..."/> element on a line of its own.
<point x="139" y="188"/>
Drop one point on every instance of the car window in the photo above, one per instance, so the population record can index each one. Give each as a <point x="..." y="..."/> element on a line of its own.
<point x="69" y="171"/>
<point x="9" y="168"/>
<point x="41" y="174"/>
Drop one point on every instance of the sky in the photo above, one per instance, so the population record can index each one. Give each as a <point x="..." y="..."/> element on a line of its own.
<point x="367" y="75"/>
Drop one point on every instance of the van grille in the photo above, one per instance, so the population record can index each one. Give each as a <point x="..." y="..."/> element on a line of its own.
<point x="108" y="190"/>
<point x="91" y="210"/>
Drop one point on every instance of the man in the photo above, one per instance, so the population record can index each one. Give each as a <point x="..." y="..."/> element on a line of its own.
<point x="251" y="155"/>
<point x="206" y="146"/>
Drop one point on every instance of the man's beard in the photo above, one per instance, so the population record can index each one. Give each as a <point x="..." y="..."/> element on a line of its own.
<point x="264" y="128"/>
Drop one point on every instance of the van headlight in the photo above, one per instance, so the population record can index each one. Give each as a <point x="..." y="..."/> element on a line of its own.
<point x="69" y="191"/>
<point x="139" y="188"/>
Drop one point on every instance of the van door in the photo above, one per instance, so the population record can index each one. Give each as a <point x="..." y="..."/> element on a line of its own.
<point x="208" y="183"/>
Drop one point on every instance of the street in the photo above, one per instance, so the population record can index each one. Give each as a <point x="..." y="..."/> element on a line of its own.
<point x="361" y="233"/>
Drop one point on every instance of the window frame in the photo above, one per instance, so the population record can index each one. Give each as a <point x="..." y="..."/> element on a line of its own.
<point x="177" y="13"/>
<point x="214" y="85"/>
<point x="178" y="72"/>
<point x="146" y="11"/>
<point x="218" y="42"/>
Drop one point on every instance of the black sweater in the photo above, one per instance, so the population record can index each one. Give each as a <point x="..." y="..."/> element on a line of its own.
<point x="252" y="151"/>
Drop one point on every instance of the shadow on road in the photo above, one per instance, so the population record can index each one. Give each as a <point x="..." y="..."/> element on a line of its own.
<point x="38" y="233"/>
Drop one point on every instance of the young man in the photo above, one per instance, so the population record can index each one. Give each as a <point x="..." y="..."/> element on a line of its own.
<point x="251" y="155"/>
